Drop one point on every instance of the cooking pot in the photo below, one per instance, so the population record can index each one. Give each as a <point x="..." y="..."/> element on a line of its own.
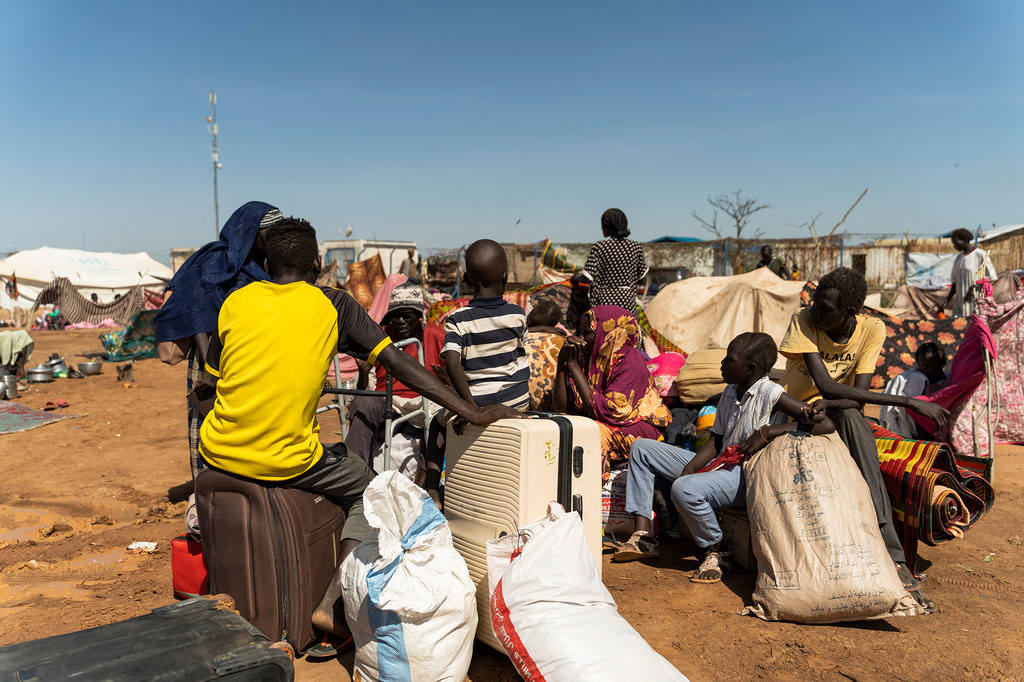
<point x="11" y="383"/>
<point x="90" y="368"/>
<point x="40" y="374"/>
<point x="57" y="365"/>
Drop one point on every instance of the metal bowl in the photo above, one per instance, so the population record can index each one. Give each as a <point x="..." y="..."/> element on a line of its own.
<point x="90" y="368"/>
<point x="40" y="374"/>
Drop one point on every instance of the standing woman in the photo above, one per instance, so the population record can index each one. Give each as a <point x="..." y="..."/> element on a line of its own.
<point x="198" y="289"/>
<point x="615" y="265"/>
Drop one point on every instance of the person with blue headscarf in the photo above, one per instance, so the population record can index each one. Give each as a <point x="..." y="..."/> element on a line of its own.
<point x="198" y="289"/>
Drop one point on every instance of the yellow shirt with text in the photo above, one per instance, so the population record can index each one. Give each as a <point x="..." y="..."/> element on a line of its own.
<point x="844" y="361"/>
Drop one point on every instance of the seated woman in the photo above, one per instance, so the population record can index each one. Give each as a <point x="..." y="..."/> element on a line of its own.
<point x="616" y="388"/>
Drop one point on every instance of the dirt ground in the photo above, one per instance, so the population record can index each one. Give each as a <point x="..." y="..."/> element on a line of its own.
<point x="75" y="493"/>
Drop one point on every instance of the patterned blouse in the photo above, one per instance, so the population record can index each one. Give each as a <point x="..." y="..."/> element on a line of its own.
<point x="614" y="267"/>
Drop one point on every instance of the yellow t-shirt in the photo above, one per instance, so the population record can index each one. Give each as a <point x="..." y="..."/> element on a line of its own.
<point x="844" y="361"/>
<point x="273" y="347"/>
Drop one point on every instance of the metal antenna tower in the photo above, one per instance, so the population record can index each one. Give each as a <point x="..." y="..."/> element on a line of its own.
<point x="211" y="125"/>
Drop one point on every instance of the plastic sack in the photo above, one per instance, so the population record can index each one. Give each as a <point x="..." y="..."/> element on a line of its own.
<point x="820" y="555"/>
<point x="405" y="456"/>
<point x="553" y="615"/>
<point x="409" y="601"/>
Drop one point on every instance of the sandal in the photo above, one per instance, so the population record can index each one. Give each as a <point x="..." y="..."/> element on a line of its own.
<point x="926" y="602"/>
<point x="62" y="403"/>
<point x="641" y="545"/>
<point x="714" y="567"/>
<point x="50" y="407"/>
<point x="326" y="649"/>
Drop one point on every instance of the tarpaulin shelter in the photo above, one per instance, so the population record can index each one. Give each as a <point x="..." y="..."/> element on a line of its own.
<point x="709" y="312"/>
<point x="103" y="273"/>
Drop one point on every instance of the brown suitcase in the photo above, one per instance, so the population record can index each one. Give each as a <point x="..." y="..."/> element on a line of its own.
<point x="273" y="549"/>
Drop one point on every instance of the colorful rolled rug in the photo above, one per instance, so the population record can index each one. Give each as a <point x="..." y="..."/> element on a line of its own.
<point x="933" y="499"/>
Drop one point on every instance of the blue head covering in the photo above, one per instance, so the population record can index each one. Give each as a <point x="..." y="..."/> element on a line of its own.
<point x="203" y="282"/>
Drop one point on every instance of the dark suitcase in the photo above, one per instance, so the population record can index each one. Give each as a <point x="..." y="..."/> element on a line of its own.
<point x="196" y="639"/>
<point x="273" y="549"/>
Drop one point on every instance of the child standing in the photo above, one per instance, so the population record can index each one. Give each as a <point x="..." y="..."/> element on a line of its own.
<point x="744" y="420"/>
<point x="484" y="350"/>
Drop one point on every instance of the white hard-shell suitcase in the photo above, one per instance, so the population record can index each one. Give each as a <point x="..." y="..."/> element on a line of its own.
<point x="501" y="477"/>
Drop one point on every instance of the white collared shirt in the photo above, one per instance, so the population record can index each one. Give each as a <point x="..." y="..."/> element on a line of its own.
<point x="737" y="419"/>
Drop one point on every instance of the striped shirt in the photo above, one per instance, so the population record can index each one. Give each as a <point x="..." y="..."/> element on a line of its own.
<point x="488" y="334"/>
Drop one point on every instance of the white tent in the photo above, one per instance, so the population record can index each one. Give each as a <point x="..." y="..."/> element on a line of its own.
<point x="102" y="273"/>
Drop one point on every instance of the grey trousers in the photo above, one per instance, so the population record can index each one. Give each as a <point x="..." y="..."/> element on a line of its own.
<point x="855" y="432"/>
<point x="342" y="477"/>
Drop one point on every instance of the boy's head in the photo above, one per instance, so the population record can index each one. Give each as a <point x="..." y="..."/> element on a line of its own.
<point x="486" y="266"/>
<point x="931" y="360"/>
<point x="962" y="239"/>
<point x="766" y="253"/>
<point x="840" y="295"/>
<point x="292" y="251"/>
<point x="750" y="356"/>
<point x="545" y="314"/>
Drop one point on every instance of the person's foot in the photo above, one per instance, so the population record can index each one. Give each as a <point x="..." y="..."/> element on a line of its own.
<point x="906" y="576"/>
<point x="641" y="545"/>
<point x="329" y="615"/>
<point x="715" y="565"/>
<point x="911" y="585"/>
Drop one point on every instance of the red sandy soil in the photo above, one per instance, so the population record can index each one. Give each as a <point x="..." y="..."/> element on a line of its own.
<point x="75" y="493"/>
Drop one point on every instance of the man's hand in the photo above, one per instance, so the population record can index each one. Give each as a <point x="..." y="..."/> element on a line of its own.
<point x="936" y="413"/>
<point x="492" y="413"/>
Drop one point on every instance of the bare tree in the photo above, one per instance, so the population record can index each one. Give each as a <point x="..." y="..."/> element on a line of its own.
<point x="812" y="229"/>
<point x="738" y="209"/>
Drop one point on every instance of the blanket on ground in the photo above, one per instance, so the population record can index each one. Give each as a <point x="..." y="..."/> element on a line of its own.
<point x="933" y="499"/>
<point x="16" y="417"/>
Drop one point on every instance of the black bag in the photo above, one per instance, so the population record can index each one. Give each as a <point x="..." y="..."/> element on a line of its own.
<point x="196" y="639"/>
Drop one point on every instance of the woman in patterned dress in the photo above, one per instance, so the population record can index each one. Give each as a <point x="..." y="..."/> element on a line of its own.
<point x="615" y="265"/>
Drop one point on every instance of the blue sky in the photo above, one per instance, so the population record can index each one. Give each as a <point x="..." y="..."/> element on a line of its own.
<point x="446" y="122"/>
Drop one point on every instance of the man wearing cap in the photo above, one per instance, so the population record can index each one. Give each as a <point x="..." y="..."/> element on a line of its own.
<point x="403" y="320"/>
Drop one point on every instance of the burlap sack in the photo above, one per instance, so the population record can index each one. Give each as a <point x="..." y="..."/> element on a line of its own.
<point x="820" y="556"/>
<point x="701" y="377"/>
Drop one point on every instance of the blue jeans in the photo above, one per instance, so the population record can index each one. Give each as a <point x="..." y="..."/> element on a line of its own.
<point x="695" y="496"/>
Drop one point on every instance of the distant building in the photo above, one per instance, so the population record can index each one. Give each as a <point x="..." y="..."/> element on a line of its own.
<point x="345" y="251"/>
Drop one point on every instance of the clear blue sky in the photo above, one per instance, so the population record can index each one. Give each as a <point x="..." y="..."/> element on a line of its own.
<point x="443" y="122"/>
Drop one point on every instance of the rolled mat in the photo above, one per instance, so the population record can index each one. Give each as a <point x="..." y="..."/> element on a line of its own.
<point x="933" y="499"/>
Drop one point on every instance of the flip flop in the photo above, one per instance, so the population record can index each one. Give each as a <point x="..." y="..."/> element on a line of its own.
<point x="906" y="576"/>
<point x="50" y="407"/>
<point x="325" y="649"/>
<point x="62" y="403"/>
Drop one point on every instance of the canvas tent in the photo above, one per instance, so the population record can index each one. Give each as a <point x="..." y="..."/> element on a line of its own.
<point x="708" y="312"/>
<point x="102" y="273"/>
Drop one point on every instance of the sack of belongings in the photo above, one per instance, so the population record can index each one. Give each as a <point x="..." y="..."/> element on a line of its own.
<point x="409" y="601"/>
<point x="820" y="555"/>
<point x="553" y="614"/>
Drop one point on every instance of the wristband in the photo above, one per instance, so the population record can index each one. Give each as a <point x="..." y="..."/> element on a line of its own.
<point x="760" y="432"/>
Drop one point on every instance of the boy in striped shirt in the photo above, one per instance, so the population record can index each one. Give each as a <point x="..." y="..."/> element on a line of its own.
<point x="484" y="351"/>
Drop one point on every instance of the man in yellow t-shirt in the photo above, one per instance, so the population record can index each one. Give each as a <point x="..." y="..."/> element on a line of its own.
<point x="272" y="348"/>
<point x="831" y="352"/>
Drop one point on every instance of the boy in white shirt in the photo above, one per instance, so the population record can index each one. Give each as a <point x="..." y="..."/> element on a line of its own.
<point x="928" y="377"/>
<point x="745" y="420"/>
